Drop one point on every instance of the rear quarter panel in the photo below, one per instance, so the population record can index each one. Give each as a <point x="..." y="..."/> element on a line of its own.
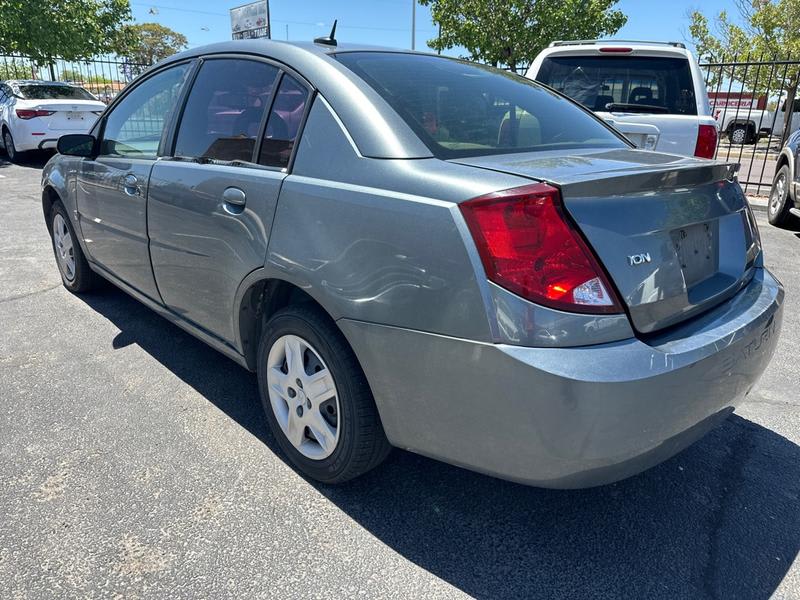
<point x="380" y="240"/>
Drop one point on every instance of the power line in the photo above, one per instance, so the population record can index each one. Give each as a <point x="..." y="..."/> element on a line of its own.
<point x="307" y="23"/>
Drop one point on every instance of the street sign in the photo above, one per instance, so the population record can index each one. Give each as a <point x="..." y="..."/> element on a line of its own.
<point x="250" y="21"/>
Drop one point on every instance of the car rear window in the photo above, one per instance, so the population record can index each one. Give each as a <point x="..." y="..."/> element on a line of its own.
<point x="640" y="83"/>
<point x="461" y="109"/>
<point x="54" y="92"/>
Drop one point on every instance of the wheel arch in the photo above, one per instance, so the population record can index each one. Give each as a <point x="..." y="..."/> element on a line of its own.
<point x="746" y="122"/>
<point x="785" y="159"/>
<point x="49" y="197"/>
<point x="259" y="297"/>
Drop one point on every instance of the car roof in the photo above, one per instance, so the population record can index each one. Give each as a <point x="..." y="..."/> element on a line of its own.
<point x="270" y="47"/>
<point x="594" y="48"/>
<point x="377" y="130"/>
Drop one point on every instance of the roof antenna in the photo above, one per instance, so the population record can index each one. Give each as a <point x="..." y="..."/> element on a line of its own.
<point x="329" y="40"/>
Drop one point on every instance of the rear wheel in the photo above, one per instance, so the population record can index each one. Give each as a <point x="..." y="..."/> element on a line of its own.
<point x="316" y="399"/>
<point x="740" y="133"/>
<point x="780" y="199"/>
<point x="75" y="272"/>
<point x="10" y="148"/>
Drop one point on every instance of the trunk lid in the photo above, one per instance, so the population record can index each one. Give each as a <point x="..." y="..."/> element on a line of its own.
<point x="68" y="115"/>
<point x="674" y="234"/>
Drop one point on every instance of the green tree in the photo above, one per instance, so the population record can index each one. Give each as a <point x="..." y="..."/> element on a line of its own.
<point x="769" y="28"/>
<point x="70" y="29"/>
<point x="71" y="75"/>
<point x="513" y="32"/>
<point x="147" y="43"/>
<point x="16" y="69"/>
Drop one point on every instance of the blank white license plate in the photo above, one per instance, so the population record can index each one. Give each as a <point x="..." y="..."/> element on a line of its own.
<point x="74" y="115"/>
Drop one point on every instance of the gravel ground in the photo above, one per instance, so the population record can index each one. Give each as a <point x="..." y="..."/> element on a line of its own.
<point x="134" y="461"/>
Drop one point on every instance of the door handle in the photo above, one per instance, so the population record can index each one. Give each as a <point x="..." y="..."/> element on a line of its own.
<point x="130" y="184"/>
<point x="234" y="196"/>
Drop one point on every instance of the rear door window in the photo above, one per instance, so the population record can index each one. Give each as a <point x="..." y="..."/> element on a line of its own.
<point x="641" y="83"/>
<point x="223" y="114"/>
<point x="284" y="123"/>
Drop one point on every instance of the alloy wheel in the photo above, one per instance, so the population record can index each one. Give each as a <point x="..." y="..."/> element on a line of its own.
<point x="65" y="249"/>
<point x="303" y="397"/>
<point x="778" y="195"/>
<point x="8" y="142"/>
<point x="738" y="136"/>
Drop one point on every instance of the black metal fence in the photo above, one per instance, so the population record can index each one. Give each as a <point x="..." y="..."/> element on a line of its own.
<point x="104" y="77"/>
<point x="753" y="100"/>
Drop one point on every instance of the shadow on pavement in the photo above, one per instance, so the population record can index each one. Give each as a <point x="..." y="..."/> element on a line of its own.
<point x="33" y="160"/>
<point x="720" y="520"/>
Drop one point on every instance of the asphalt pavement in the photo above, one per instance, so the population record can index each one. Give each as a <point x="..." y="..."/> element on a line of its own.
<point x="135" y="462"/>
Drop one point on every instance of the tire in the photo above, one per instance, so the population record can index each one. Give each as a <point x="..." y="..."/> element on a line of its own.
<point x="780" y="199"/>
<point x="741" y="134"/>
<point x="353" y="441"/>
<point x="73" y="267"/>
<point x="14" y="156"/>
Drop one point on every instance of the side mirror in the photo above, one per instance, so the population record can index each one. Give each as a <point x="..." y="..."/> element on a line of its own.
<point x="76" y="144"/>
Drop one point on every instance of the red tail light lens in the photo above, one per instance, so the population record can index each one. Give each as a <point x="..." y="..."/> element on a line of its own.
<point x="616" y="49"/>
<point x="706" y="141"/>
<point x="528" y="246"/>
<point x="26" y="113"/>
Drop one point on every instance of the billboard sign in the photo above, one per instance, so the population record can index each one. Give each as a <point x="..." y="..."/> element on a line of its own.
<point x="250" y="21"/>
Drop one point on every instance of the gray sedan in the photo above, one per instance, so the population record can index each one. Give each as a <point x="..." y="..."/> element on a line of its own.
<point x="420" y="252"/>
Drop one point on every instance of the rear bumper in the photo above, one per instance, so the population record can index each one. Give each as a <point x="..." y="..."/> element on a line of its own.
<point x="48" y="144"/>
<point x="569" y="417"/>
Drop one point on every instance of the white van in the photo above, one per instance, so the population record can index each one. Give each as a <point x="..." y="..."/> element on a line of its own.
<point x="653" y="92"/>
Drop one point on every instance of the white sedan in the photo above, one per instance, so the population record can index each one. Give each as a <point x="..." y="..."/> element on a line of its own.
<point x="34" y="114"/>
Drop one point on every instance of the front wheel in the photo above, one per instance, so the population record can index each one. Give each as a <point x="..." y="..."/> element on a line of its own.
<point x="780" y="199"/>
<point x="316" y="399"/>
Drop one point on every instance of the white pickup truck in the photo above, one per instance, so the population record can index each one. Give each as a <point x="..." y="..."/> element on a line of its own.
<point x="653" y="92"/>
<point x="746" y="124"/>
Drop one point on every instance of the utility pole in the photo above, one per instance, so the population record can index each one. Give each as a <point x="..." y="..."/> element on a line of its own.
<point x="413" y="23"/>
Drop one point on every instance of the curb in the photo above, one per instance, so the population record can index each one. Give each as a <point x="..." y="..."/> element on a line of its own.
<point x="757" y="203"/>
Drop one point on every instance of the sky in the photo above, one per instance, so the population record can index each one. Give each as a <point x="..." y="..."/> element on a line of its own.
<point x="388" y="22"/>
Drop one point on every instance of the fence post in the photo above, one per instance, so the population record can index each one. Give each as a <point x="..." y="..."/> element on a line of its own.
<point x="787" y="123"/>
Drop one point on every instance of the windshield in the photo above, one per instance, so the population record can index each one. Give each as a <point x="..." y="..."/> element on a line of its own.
<point x="641" y="82"/>
<point x="464" y="109"/>
<point x="54" y="92"/>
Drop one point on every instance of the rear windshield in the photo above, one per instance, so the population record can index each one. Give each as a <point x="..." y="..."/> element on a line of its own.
<point x="54" y="92"/>
<point x="464" y="109"/>
<point x="660" y="84"/>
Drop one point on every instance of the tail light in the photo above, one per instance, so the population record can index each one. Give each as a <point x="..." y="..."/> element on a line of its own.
<point x="706" y="141"/>
<point x="27" y="113"/>
<point x="528" y="246"/>
<point x="616" y="49"/>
